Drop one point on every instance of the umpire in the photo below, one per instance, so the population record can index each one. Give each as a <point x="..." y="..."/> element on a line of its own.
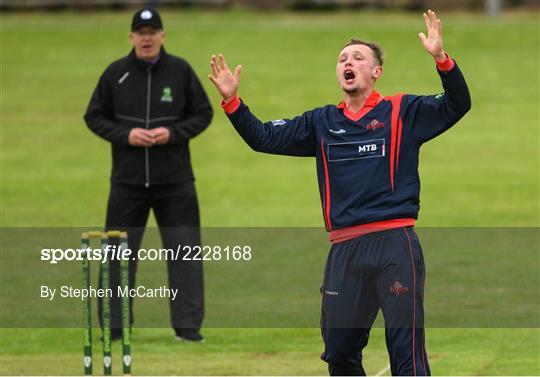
<point x="148" y="105"/>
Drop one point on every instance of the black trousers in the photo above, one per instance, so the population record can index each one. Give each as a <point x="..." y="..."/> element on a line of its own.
<point x="379" y="270"/>
<point x="176" y="210"/>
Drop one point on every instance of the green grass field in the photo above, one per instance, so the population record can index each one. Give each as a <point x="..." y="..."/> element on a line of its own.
<point x="482" y="173"/>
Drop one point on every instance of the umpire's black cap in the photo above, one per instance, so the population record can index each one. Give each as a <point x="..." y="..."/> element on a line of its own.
<point x="146" y="17"/>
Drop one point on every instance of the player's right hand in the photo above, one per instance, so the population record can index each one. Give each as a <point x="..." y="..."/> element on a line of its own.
<point x="225" y="81"/>
<point x="140" y="137"/>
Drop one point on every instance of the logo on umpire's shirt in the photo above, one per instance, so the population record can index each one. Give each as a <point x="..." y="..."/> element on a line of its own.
<point x="398" y="289"/>
<point x="167" y="95"/>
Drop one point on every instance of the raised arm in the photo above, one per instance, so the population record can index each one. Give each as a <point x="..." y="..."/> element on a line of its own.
<point x="433" y="43"/>
<point x="430" y="116"/>
<point x="225" y="81"/>
<point x="292" y="137"/>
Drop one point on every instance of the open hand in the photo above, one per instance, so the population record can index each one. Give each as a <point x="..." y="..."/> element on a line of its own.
<point x="225" y="81"/>
<point x="433" y="43"/>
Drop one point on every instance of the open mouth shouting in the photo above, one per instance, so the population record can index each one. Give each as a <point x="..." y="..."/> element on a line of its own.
<point x="349" y="76"/>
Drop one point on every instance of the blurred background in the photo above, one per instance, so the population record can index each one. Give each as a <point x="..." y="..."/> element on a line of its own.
<point x="484" y="172"/>
<point x="492" y="7"/>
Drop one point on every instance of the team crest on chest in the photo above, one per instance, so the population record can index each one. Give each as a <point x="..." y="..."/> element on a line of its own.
<point x="374" y="124"/>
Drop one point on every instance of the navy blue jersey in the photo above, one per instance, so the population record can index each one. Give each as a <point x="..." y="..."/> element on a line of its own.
<point x="367" y="168"/>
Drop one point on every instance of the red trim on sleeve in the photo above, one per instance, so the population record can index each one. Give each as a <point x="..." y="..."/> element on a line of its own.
<point x="231" y="106"/>
<point x="446" y="65"/>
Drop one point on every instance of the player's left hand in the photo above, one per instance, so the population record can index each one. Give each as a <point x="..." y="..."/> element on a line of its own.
<point x="160" y="135"/>
<point x="433" y="43"/>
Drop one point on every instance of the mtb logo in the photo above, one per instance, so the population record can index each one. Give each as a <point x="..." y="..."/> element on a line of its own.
<point x="87" y="361"/>
<point x="355" y="150"/>
<point x="398" y="289"/>
<point x="166" y="96"/>
<point x="367" y="148"/>
<point x="374" y="124"/>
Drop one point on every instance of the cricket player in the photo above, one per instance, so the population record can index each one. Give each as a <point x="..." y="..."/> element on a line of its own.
<point x="366" y="149"/>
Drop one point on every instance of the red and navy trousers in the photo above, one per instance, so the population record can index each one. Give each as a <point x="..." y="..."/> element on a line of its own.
<point x="383" y="270"/>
